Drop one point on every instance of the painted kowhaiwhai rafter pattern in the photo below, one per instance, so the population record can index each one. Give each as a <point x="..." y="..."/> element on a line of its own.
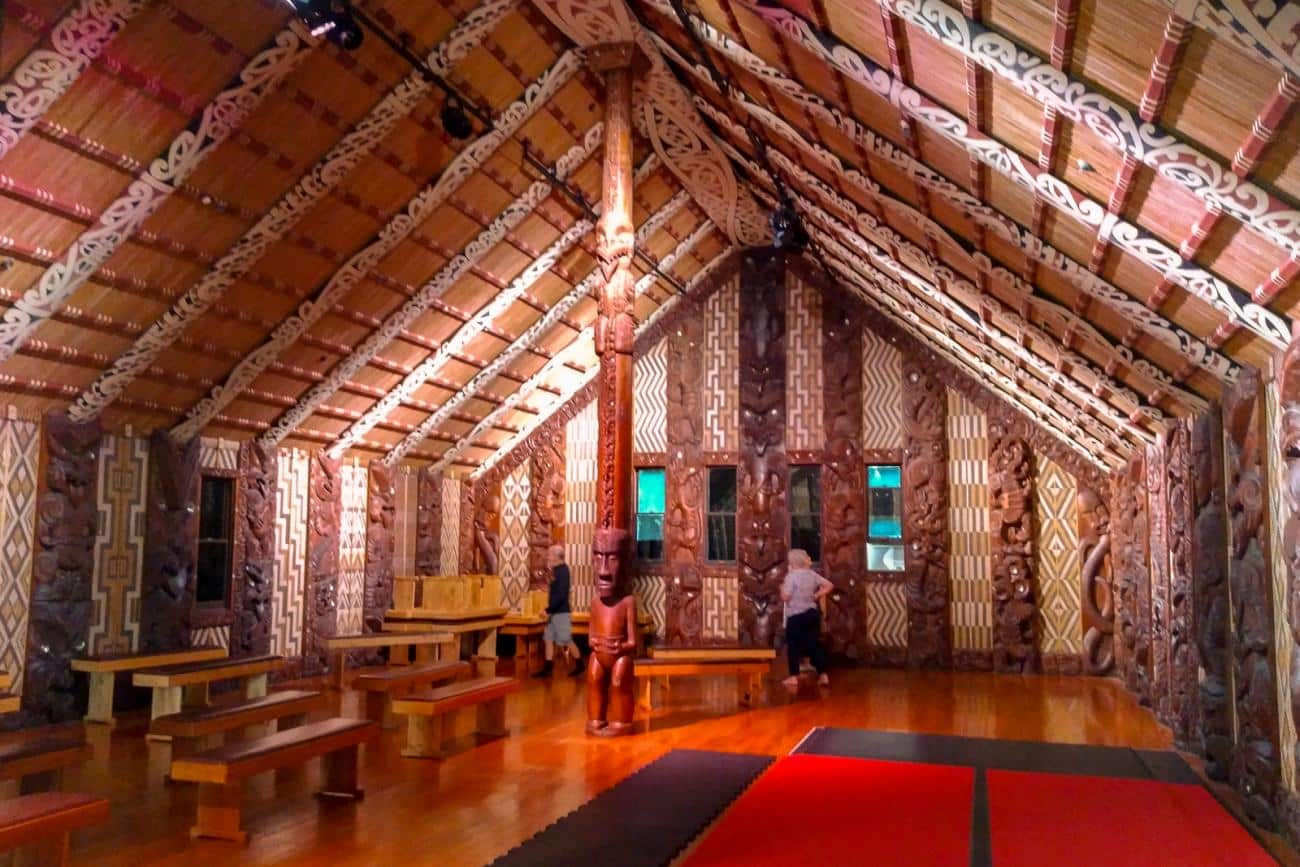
<point x="314" y="185"/>
<point x="1269" y="30"/>
<point x="143" y="196"/>
<point x="361" y="263"/>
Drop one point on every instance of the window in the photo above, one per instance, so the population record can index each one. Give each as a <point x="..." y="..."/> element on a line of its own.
<point x="885" y="518"/>
<point x="722" y="513"/>
<point x="216" y="540"/>
<point x="650" y="513"/>
<point x="806" y="510"/>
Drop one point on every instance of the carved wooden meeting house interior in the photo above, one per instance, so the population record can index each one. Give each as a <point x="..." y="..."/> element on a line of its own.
<point x="329" y="327"/>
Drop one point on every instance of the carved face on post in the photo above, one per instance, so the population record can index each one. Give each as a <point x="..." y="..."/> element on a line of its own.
<point x="607" y="559"/>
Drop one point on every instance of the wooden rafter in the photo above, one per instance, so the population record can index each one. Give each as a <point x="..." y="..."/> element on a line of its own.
<point x="1263" y="30"/>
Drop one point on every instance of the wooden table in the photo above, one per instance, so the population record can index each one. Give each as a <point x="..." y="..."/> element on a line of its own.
<point x="528" y="633"/>
<point x="645" y="626"/>
<point x="186" y="686"/>
<point x="713" y="654"/>
<point x="481" y="624"/>
<point x="425" y="644"/>
<point x="103" y="670"/>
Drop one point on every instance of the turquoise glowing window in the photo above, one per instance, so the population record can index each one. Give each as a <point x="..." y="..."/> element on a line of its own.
<point x="649" y="523"/>
<point x="884" y="517"/>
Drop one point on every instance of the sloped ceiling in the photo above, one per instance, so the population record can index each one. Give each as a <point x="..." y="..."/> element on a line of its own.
<point x="215" y="223"/>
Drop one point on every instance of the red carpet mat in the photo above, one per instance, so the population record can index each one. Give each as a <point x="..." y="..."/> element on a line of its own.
<point x="825" y="811"/>
<point x="1037" y="819"/>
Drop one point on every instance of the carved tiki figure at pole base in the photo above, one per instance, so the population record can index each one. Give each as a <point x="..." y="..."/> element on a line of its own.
<point x="610" y="674"/>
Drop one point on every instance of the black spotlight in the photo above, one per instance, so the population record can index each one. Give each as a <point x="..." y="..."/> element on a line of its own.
<point x="787" y="232"/>
<point x="455" y="121"/>
<point x="331" y="19"/>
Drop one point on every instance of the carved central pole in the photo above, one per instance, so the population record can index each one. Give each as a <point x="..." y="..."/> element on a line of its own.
<point x="615" y="319"/>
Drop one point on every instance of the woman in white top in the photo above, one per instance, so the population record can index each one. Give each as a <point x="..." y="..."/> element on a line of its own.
<point x="801" y="591"/>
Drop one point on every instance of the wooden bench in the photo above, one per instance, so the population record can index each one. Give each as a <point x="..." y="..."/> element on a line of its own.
<point x="103" y="670"/>
<point x="10" y="702"/>
<point x="426" y="646"/>
<point x="381" y="684"/>
<point x="425" y="713"/>
<point x="189" y="729"/>
<point x="221" y="772"/>
<point x="186" y="686"/>
<point x="43" y="823"/>
<point x="38" y="764"/>
<point x="482" y="632"/>
<point x="749" y="674"/>
<point x="527" y="632"/>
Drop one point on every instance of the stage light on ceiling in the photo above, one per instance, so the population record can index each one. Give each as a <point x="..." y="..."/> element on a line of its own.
<point x="331" y="19"/>
<point x="455" y="121"/>
<point x="787" y="232"/>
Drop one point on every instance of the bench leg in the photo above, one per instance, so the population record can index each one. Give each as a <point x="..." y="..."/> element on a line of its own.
<point x="424" y="736"/>
<point x="340" y="771"/>
<point x="492" y="717"/>
<point x="166" y="700"/>
<point x="426" y="653"/>
<point x="219" y="812"/>
<point x="255" y="686"/>
<point x="45" y="781"/>
<point x="194" y="695"/>
<point x="646" y="701"/>
<point x="485" y="655"/>
<point x="379" y="707"/>
<point x="291" y="721"/>
<point x="340" y="663"/>
<point x="51" y="852"/>
<point x="100" y="709"/>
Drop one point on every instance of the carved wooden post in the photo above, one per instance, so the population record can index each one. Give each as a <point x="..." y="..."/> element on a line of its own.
<point x="1015" y="603"/>
<point x="925" y="517"/>
<point x="324" y="515"/>
<point x="1210" y="594"/>
<point x="487" y="523"/>
<point x="428" y="523"/>
<point x="1097" y="594"/>
<point x="1161" y="687"/>
<point x="381" y="508"/>
<point x="251" y="633"/>
<point x="546" y="495"/>
<point x="762" y="484"/>
<point x="684" y="479"/>
<point x="1183" y="658"/>
<point x="1256" y="771"/>
<point x="1132" y="579"/>
<point x="63" y="568"/>
<point x="171" y="536"/>
<point x="1288" y="383"/>
<point x="465" y="545"/>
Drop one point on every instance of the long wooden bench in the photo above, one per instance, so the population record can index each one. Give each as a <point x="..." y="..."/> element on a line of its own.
<point x="42" y="823"/>
<point x="425" y="645"/>
<point x="748" y="672"/>
<point x="381" y="684"/>
<point x="10" y="702"/>
<point x="103" y="669"/>
<point x="38" y="764"/>
<point x="186" y="686"/>
<point x="190" y="728"/>
<point x="221" y="772"/>
<point x="527" y="632"/>
<point x="426" y="713"/>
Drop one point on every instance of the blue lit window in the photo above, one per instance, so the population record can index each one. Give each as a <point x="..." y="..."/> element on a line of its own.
<point x="650" y="513"/>
<point x="884" y="518"/>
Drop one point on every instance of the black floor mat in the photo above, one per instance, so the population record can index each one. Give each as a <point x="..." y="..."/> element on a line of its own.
<point x="647" y="818"/>
<point x="1163" y="765"/>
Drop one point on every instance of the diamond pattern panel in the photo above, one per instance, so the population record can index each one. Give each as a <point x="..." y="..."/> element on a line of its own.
<point x="968" y="524"/>
<point x="352" y="550"/>
<point x="722" y="369"/>
<point x="122" y="494"/>
<point x="650" y="400"/>
<point x="803" y="376"/>
<point x="19" y="456"/>
<point x="1057" y="558"/>
<point x="450" y="527"/>
<point x="721" y="608"/>
<point x="515" y="489"/>
<point x="580" y="505"/>
<point x="886" y="615"/>
<point x="290" y="568"/>
<point x="882" y="393"/>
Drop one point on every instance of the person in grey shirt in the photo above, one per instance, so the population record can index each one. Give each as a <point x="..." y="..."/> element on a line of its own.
<point x="801" y="591"/>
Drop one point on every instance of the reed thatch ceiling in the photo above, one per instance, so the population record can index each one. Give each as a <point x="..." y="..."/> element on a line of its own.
<point x="215" y="222"/>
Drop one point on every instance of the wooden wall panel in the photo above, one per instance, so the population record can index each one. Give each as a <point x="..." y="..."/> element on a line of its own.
<point x="580" y="504"/>
<point x="123" y="501"/>
<point x="1184" y="708"/>
<point x="171" y="526"/>
<point x="255" y="535"/>
<point x="925" y="517"/>
<point x="428" y="530"/>
<point x="803" y="366"/>
<point x="968" y="522"/>
<point x="381" y="508"/>
<point x="1056" y="565"/>
<point x="324" y="528"/>
<point x="649" y="396"/>
<point x="405" y="516"/>
<point x="1210" y="594"/>
<point x="546" y="492"/>
<point x="882" y="393"/>
<point x="20" y="455"/>
<point x="1015" y="586"/>
<point x="1158" y="565"/>
<point x="763" y="518"/>
<point x="466" y="543"/>
<point x="449" y="562"/>
<point x="1132" y="580"/>
<point x="684" y="523"/>
<point x="1097" y="595"/>
<point x="1287" y="454"/>
<point x="1283" y="644"/>
<point x="722" y="369"/>
<point x="288" y="598"/>
<point x="487" y="522"/>
<point x="515" y="497"/>
<point x="352" y="550"/>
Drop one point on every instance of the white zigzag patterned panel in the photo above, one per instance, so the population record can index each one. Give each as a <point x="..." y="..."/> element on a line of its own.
<point x="218" y="636"/>
<point x="352" y="550"/>
<point x="1278" y="514"/>
<point x="450" y="563"/>
<point x="580" y="504"/>
<point x="886" y="615"/>
<point x="722" y="369"/>
<point x="515" y="489"/>
<point x="882" y="393"/>
<point x="803" y="372"/>
<point x="123" y="491"/>
<point x="1056" y="558"/>
<point x="405" y="483"/>
<point x="721" y="597"/>
<point x="968" y="525"/>
<point x="218" y="454"/>
<point x="650" y="400"/>
<point x="20" y="449"/>
<point x="288" y="588"/>
<point x="650" y="599"/>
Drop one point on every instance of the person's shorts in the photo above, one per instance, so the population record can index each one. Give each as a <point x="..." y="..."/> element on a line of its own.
<point x="559" y="628"/>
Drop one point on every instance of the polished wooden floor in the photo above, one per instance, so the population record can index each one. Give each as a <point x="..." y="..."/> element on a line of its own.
<point x="489" y="796"/>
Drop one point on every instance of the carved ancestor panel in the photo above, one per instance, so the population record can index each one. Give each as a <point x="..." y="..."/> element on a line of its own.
<point x="171" y="536"/>
<point x="925" y="518"/>
<point x="1183" y="661"/>
<point x="405" y="514"/>
<point x="1159" y="572"/>
<point x="352" y="550"/>
<point x="485" y="502"/>
<point x="762" y="483"/>
<point x="1015" y="590"/>
<point x="1210" y="594"/>
<point x="1255" y="770"/>
<point x="380" y="520"/>
<point x="844" y="522"/>
<point x="1288" y="385"/>
<point x="545" y="499"/>
<point x="1097" y="596"/>
<point x="685" y="480"/>
<point x="255" y="534"/>
<point x="64" y="563"/>
<point x="428" y="526"/>
<point x="324" y="517"/>
<point x="1132" y="579"/>
<point x="467" y="544"/>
